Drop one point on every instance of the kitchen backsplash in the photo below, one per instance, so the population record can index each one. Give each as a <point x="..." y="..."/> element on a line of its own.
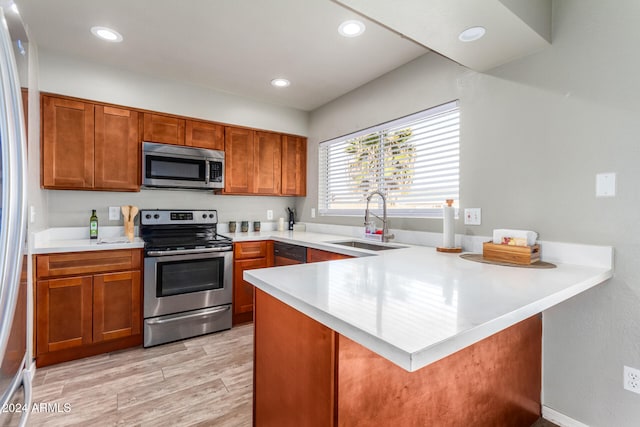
<point x="73" y="208"/>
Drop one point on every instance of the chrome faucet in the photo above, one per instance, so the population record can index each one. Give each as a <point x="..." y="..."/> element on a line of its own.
<point x="385" y="226"/>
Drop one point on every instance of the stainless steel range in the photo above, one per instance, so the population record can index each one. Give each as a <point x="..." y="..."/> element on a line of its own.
<point x="188" y="272"/>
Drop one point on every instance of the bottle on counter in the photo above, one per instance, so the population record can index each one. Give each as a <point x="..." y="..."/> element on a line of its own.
<point x="93" y="225"/>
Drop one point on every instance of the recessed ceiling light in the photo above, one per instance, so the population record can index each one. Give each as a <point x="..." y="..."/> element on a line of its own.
<point x="351" y="28"/>
<point x="472" y="34"/>
<point x="107" y="34"/>
<point x="280" y="82"/>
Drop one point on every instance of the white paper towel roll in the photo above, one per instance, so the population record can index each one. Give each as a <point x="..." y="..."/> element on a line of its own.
<point x="448" y="227"/>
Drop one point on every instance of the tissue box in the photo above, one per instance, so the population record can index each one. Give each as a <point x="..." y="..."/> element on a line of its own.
<point x="522" y="255"/>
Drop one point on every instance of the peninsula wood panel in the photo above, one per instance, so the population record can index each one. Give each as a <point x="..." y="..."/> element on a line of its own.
<point x="204" y="135"/>
<point x="294" y="363"/>
<point x="67" y="143"/>
<point x="299" y="371"/>
<point x="267" y="163"/>
<point x="294" y="166"/>
<point x="238" y="150"/>
<point x="495" y="382"/>
<point x="116" y="305"/>
<point x="164" y="129"/>
<point x="117" y="149"/>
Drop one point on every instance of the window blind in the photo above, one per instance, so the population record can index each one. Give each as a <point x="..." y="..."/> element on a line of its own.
<point x="414" y="161"/>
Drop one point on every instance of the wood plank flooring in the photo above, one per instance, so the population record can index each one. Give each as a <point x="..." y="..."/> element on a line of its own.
<point x="204" y="381"/>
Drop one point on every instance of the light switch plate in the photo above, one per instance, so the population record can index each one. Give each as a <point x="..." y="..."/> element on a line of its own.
<point x="114" y="213"/>
<point x="473" y="216"/>
<point x="606" y="184"/>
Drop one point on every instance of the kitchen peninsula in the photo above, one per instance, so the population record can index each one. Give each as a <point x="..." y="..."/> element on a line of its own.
<point x="410" y="337"/>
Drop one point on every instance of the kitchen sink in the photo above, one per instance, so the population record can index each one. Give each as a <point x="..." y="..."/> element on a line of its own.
<point x="366" y="245"/>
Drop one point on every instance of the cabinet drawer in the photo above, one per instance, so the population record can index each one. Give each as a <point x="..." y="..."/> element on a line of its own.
<point x="75" y="263"/>
<point x="246" y="250"/>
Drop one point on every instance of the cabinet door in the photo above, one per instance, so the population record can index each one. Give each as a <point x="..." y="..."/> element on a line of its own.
<point x="117" y="149"/>
<point x="63" y="313"/>
<point x="116" y="305"/>
<point x="243" y="290"/>
<point x="267" y="163"/>
<point x="164" y="129"/>
<point x="238" y="151"/>
<point x="294" y="166"/>
<point x="204" y="135"/>
<point x="67" y="143"/>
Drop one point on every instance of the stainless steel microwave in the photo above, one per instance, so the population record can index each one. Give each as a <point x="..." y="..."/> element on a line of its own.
<point x="173" y="166"/>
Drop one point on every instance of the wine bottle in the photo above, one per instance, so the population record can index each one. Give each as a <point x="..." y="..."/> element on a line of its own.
<point x="93" y="225"/>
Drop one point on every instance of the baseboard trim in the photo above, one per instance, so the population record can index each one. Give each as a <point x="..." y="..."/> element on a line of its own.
<point x="561" y="419"/>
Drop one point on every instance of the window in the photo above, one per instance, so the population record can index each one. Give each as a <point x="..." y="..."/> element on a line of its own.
<point x="414" y="161"/>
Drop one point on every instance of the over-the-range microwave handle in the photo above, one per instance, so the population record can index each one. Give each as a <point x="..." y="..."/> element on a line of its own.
<point x="207" y="171"/>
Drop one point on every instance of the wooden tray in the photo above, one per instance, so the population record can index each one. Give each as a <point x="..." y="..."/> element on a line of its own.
<point x="480" y="258"/>
<point x="512" y="254"/>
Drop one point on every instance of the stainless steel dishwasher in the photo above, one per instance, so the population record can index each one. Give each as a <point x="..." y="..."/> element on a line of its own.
<point x="289" y="254"/>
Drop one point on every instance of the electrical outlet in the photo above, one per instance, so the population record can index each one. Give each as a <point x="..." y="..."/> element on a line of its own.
<point x="269" y="214"/>
<point x="473" y="216"/>
<point x="313" y="212"/>
<point x="631" y="380"/>
<point x="114" y="213"/>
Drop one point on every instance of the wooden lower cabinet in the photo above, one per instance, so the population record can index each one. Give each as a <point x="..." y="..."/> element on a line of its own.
<point x="317" y="255"/>
<point x="247" y="256"/>
<point x="307" y="374"/>
<point x="64" y="313"/>
<point x="116" y="305"/>
<point x="87" y="314"/>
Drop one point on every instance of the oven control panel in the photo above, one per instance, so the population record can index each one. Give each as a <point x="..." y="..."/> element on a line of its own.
<point x="178" y="217"/>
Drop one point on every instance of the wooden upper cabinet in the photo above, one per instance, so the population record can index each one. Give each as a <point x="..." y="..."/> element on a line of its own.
<point x="238" y="152"/>
<point x="204" y="135"/>
<point x="294" y="166"/>
<point x="117" y="149"/>
<point x="67" y="143"/>
<point x="164" y="129"/>
<point x="267" y="163"/>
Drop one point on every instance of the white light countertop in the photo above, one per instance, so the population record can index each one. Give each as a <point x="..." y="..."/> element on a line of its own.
<point x="76" y="239"/>
<point x="415" y="305"/>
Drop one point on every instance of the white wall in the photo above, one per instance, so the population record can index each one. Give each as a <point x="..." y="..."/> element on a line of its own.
<point x="67" y="76"/>
<point x="534" y="133"/>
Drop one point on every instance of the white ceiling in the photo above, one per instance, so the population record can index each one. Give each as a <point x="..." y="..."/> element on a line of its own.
<point x="514" y="28"/>
<point x="235" y="46"/>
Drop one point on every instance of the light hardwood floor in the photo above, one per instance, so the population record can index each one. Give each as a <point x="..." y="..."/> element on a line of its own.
<point x="205" y="381"/>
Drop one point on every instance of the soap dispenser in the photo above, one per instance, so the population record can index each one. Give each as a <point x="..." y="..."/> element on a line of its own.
<point x="291" y="218"/>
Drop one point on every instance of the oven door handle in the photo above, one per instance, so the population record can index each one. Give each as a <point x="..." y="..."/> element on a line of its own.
<point x="188" y="251"/>
<point x="199" y="315"/>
